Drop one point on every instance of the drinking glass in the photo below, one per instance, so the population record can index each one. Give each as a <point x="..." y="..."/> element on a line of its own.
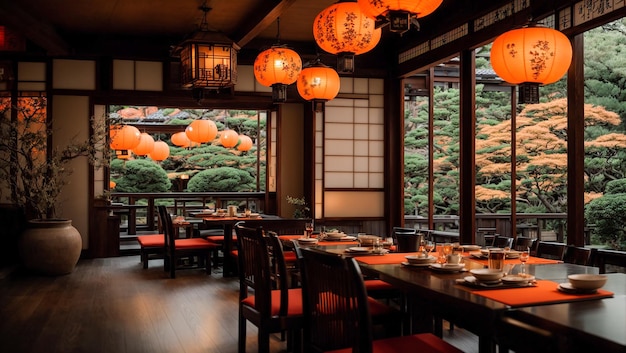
<point x="447" y="249"/>
<point x="496" y="259"/>
<point x="523" y="257"/>
<point x="429" y="245"/>
<point x="308" y="230"/>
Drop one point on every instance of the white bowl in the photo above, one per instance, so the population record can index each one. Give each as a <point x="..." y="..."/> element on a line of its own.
<point x="587" y="281"/>
<point x="337" y="235"/>
<point x="469" y="248"/>
<point x="368" y="239"/>
<point x="416" y="259"/>
<point x="487" y="274"/>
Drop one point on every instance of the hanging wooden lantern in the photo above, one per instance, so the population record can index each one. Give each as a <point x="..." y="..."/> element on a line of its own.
<point x="146" y="143"/>
<point x="245" y="143"/>
<point x="343" y="29"/>
<point x="201" y="131"/>
<point x="229" y="138"/>
<point x="160" y="151"/>
<point x="318" y="83"/>
<point x="124" y="137"/>
<point x="277" y="67"/>
<point x="399" y="14"/>
<point x="530" y="57"/>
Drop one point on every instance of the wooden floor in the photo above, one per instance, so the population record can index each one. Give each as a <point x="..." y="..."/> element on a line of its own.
<point x="113" y="305"/>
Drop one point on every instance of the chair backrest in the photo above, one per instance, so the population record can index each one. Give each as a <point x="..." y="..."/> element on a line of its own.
<point x="610" y="261"/>
<point x="503" y="242"/>
<point x="277" y="257"/>
<point x="523" y="243"/>
<point x="255" y="271"/>
<point x="407" y="242"/>
<point x="168" y="229"/>
<point x="577" y="255"/>
<point x="550" y="250"/>
<point x="335" y="303"/>
<point x="489" y="239"/>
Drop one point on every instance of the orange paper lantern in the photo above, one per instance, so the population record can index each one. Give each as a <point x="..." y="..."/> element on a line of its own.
<point x="419" y="8"/>
<point x="229" y="138"/>
<point x="277" y="65"/>
<point x="180" y="139"/>
<point x="125" y="137"/>
<point x="146" y="143"/>
<point x="318" y="82"/>
<point x="160" y="151"/>
<point x="344" y="28"/>
<point x="245" y="143"/>
<point x="531" y="54"/>
<point x="201" y="131"/>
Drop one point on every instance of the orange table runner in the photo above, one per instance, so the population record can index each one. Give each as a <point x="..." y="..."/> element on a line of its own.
<point x="531" y="260"/>
<point x="545" y="292"/>
<point x="390" y="258"/>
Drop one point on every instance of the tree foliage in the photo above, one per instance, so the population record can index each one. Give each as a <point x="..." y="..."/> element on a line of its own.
<point x="142" y="175"/>
<point x="221" y="179"/>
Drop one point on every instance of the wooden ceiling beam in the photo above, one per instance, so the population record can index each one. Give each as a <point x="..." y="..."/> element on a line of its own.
<point x="263" y="17"/>
<point x="35" y="30"/>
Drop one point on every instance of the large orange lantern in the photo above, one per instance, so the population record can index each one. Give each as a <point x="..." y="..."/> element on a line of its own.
<point x="277" y="67"/>
<point x="125" y="137"/>
<point x="229" y="138"/>
<point x="160" y="151"/>
<point x="398" y="12"/>
<point x="318" y="83"/>
<point x="201" y="131"/>
<point x="343" y="29"/>
<point x="245" y="143"/>
<point x="146" y="143"/>
<point x="529" y="57"/>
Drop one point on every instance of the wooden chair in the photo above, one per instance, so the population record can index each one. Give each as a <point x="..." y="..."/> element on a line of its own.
<point x="270" y="310"/>
<point x="178" y="249"/>
<point x="405" y="239"/>
<point x="489" y="239"/>
<point x="521" y="335"/>
<point x="523" y="243"/>
<point x="338" y="311"/>
<point x="577" y="255"/>
<point x="501" y="241"/>
<point x="151" y="246"/>
<point x="550" y="250"/>
<point x="610" y="261"/>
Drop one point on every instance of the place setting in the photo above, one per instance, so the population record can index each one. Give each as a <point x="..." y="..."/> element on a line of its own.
<point x="497" y="274"/>
<point x="338" y="236"/>
<point x="582" y="284"/>
<point x="376" y="248"/>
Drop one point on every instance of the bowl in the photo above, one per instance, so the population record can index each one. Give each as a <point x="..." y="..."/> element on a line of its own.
<point x="586" y="281"/>
<point x="368" y="239"/>
<point x="417" y="259"/>
<point x="469" y="248"/>
<point x="336" y="235"/>
<point x="487" y="274"/>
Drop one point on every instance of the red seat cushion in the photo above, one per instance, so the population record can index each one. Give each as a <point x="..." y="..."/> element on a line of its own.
<point x="372" y="285"/>
<point x="423" y="342"/>
<point x="379" y="309"/>
<point x="294" y="307"/>
<point x="149" y="241"/>
<point x="290" y="256"/>
<point x="194" y="243"/>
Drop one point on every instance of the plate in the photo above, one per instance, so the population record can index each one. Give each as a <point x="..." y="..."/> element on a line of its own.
<point x="307" y="240"/>
<point x="567" y="288"/>
<point x="516" y="279"/>
<point x="359" y="249"/>
<point x="344" y="238"/>
<point x="414" y="259"/>
<point x="470" y="247"/>
<point x="447" y="267"/>
<point x="478" y="255"/>
<point x="512" y="254"/>
<point x="474" y="280"/>
<point x="405" y="263"/>
<point x="337" y="235"/>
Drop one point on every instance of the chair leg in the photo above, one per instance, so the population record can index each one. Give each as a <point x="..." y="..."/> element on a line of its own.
<point x="264" y="340"/>
<point x="173" y="264"/>
<point x="241" y="344"/>
<point x="207" y="263"/>
<point x="144" y="258"/>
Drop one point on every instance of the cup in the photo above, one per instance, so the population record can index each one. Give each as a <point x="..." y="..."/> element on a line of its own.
<point x="308" y="230"/>
<point x="496" y="259"/>
<point x="377" y="246"/>
<point x="453" y="259"/>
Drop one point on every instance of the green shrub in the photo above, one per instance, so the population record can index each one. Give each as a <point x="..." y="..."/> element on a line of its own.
<point x="142" y="175"/>
<point x="221" y="179"/>
<point x="608" y="213"/>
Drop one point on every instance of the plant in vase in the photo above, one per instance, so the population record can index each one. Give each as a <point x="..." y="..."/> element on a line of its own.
<point x="302" y="209"/>
<point x="33" y="174"/>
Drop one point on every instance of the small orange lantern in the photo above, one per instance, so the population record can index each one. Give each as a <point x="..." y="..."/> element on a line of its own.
<point x="229" y="138"/>
<point x="146" y="143"/>
<point x="343" y="29"/>
<point x="318" y="83"/>
<point x="112" y="184"/>
<point x="398" y="12"/>
<point x="531" y="56"/>
<point x="160" y="152"/>
<point x="245" y="143"/>
<point x="125" y="137"/>
<point x="201" y="131"/>
<point x="180" y="139"/>
<point x="277" y="67"/>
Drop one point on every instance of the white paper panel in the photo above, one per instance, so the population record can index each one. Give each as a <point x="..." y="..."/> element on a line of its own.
<point x="149" y="75"/>
<point x="361" y="148"/>
<point x="361" y="115"/>
<point x="73" y="74"/>
<point x="123" y="74"/>
<point x="377" y="148"/>
<point x="245" y="79"/>
<point x="353" y="204"/>
<point x="31" y="86"/>
<point x="376" y="116"/>
<point x="318" y="154"/>
<point x="339" y="148"/>
<point x="339" y="164"/>
<point x="376" y="164"/>
<point x="338" y="180"/>
<point x="376" y="132"/>
<point x="339" y="115"/>
<point x="377" y="101"/>
<point x="361" y="180"/>
<point x="29" y="71"/>
<point x="346" y="85"/>
<point x="339" y="131"/>
<point x="377" y="86"/>
<point x="361" y="85"/>
<point x="361" y="164"/>
<point x="377" y="180"/>
<point x="361" y="132"/>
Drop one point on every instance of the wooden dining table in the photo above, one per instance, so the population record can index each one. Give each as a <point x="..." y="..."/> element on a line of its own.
<point x="435" y="295"/>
